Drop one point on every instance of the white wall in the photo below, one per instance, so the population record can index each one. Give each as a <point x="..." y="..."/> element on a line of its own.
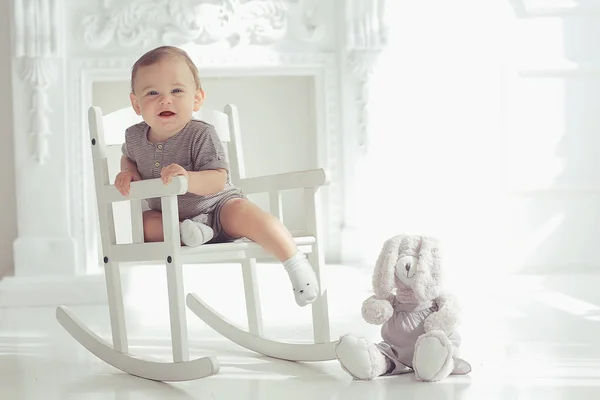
<point x="8" y="221"/>
<point x="456" y="76"/>
<point x="553" y="124"/>
<point x="277" y="121"/>
<point x="436" y="159"/>
<point x="55" y="235"/>
<point x="485" y="132"/>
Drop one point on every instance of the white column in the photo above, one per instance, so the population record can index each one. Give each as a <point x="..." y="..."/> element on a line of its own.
<point x="364" y="37"/>
<point x="44" y="251"/>
<point x="44" y="245"/>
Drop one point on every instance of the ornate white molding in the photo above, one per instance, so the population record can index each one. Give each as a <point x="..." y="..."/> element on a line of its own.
<point x="141" y="22"/>
<point x="322" y="66"/>
<point x="366" y="36"/>
<point x="36" y="45"/>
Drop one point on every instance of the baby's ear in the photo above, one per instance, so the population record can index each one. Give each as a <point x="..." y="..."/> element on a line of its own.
<point x="198" y="99"/>
<point x="135" y="103"/>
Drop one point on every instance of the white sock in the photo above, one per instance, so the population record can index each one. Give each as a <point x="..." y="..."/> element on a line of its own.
<point x="303" y="278"/>
<point x="194" y="233"/>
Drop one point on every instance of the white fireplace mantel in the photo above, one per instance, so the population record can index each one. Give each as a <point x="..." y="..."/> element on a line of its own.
<point x="62" y="46"/>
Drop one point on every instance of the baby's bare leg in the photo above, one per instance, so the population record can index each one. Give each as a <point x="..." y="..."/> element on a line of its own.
<point x="192" y="233"/>
<point x="242" y="218"/>
<point x="153" y="227"/>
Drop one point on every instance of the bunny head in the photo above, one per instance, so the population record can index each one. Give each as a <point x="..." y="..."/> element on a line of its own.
<point x="411" y="265"/>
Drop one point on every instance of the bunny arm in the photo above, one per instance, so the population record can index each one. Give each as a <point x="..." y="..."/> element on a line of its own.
<point x="377" y="311"/>
<point x="445" y="318"/>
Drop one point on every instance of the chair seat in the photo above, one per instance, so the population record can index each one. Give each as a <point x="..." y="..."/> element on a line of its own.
<point x="238" y="245"/>
<point x="238" y="250"/>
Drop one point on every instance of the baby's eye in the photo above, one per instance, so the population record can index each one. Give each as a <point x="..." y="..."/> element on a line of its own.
<point x="177" y="91"/>
<point x="152" y="93"/>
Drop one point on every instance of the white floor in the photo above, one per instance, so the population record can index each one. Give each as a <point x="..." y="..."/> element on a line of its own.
<point x="527" y="337"/>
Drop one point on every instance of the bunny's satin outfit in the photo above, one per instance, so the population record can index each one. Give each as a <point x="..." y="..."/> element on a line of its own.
<point x="401" y="331"/>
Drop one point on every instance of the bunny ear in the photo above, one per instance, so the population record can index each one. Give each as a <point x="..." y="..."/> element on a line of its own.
<point x="428" y="280"/>
<point x="383" y="275"/>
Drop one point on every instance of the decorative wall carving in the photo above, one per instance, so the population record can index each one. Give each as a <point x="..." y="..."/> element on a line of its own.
<point x="238" y="22"/>
<point x="36" y="46"/>
<point x="366" y="35"/>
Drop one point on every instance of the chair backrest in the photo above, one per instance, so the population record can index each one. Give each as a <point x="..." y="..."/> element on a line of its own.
<point x="113" y="128"/>
<point x="117" y="122"/>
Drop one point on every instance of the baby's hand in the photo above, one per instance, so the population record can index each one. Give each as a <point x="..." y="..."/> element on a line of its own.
<point x="168" y="172"/>
<point x="124" y="179"/>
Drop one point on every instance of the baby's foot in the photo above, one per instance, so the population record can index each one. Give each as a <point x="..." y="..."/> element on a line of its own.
<point x="303" y="278"/>
<point x="194" y="233"/>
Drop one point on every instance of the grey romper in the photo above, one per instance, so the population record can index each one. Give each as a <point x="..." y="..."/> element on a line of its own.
<point x="196" y="148"/>
<point x="400" y="334"/>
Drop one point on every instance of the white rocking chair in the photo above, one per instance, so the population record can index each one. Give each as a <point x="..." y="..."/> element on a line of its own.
<point x="174" y="255"/>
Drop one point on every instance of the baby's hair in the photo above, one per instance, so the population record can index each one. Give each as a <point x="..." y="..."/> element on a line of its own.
<point x="160" y="53"/>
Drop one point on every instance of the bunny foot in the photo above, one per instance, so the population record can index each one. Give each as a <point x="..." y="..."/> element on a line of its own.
<point x="360" y="358"/>
<point x="433" y="357"/>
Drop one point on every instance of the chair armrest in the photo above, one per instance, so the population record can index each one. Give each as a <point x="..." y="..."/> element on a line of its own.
<point x="146" y="189"/>
<point x="286" y="181"/>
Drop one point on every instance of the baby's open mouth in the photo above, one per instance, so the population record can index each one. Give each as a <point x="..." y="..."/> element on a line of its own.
<point x="166" y="114"/>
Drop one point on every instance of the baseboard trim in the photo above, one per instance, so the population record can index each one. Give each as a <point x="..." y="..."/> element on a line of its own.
<point x="55" y="290"/>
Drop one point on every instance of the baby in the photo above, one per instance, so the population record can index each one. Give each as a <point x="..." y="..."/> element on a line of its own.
<point x="166" y="91"/>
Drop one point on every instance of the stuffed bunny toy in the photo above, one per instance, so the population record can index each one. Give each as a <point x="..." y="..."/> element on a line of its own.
<point x="419" y="320"/>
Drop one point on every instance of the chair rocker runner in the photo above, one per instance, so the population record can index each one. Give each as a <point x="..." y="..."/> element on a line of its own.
<point x="173" y="255"/>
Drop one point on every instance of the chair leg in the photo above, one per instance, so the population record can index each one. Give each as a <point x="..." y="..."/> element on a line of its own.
<point x="177" y="310"/>
<point x="253" y="308"/>
<point x="137" y="221"/>
<point x="115" y="306"/>
<point x="320" y="308"/>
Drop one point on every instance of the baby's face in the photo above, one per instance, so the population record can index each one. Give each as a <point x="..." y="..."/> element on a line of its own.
<point x="165" y="95"/>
